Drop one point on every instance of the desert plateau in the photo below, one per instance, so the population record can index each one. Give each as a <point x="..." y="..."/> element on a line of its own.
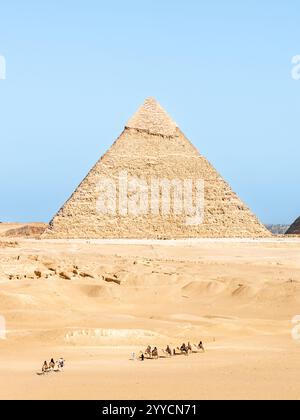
<point x="95" y="302"/>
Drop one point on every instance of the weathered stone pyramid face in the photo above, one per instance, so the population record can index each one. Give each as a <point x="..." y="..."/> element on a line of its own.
<point x="153" y="183"/>
<point x="294" y="229"/>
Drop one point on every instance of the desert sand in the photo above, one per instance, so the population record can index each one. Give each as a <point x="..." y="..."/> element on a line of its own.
<point x="96" y="302"/>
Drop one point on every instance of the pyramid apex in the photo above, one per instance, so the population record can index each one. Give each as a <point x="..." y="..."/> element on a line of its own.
<point x="153" y="118"/>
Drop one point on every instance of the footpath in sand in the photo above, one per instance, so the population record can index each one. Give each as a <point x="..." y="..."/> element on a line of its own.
<point x="96" y="302"/>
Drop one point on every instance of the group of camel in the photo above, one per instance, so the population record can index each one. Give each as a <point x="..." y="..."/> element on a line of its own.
<point x="150" y="353"/>
<point x="52" y="366"/>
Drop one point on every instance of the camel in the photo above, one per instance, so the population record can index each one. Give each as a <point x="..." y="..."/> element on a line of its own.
<point x="155" y="353"/>
<point x="148" y="352"/>
<point x="183" y="349"/>
<point x="199" y="347"/>
<point x="168" y="351"/>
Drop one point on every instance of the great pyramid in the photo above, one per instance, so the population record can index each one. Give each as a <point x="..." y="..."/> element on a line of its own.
<point x="125" y="193"/>
<point x="294" y="229"/>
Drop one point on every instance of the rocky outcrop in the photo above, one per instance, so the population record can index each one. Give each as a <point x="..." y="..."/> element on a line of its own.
<point x="31" y="231"/>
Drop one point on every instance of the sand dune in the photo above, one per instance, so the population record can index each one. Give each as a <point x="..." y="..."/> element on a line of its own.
<point x="96" y="303"/>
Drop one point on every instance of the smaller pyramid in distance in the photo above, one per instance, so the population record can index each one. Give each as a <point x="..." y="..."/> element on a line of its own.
<point x="153" y="156"/>
<point x="294" y="229"/>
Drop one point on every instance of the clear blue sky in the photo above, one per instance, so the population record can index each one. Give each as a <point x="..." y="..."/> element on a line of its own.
<point x="76" y="70"/>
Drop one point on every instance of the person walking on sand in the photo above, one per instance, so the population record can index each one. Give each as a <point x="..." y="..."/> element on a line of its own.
<point x="61" y="363"/>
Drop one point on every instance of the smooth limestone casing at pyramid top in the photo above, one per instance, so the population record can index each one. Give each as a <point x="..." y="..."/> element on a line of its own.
<point x="152" y="145"/>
